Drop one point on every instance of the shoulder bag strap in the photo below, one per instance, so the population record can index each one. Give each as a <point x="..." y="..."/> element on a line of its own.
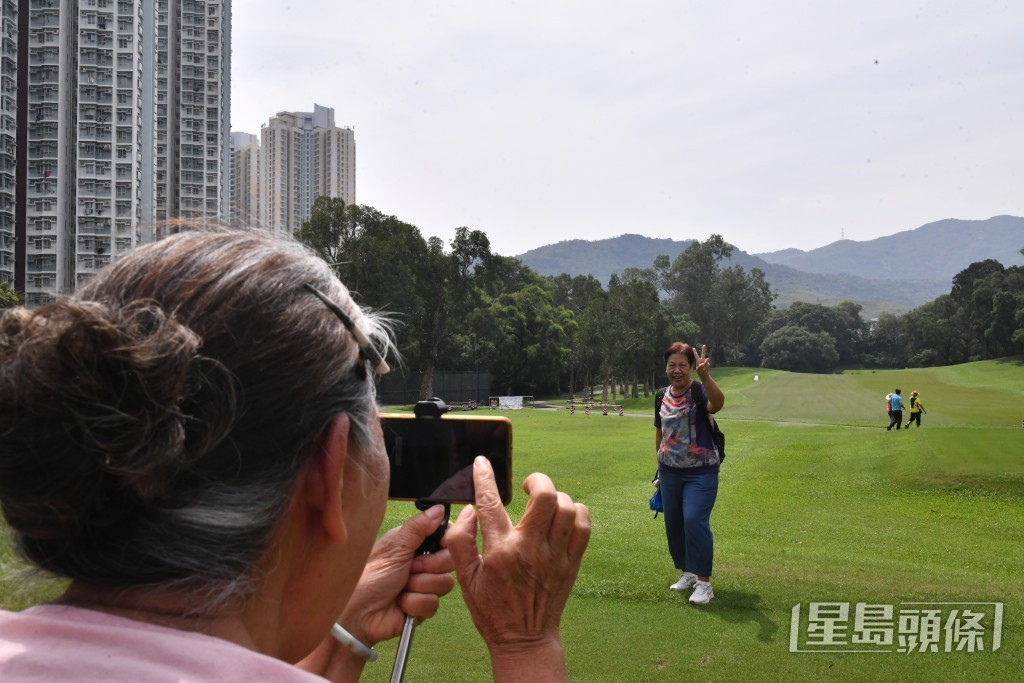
<point x="695" y="398"/>
<point x="702" y="406"/>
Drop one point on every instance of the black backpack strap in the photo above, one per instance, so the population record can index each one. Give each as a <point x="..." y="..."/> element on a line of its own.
<point x="659" y="397"/>
<point x="695" y="392"/>
<point x="698" y="403"/>
<point x="695" y="398"/>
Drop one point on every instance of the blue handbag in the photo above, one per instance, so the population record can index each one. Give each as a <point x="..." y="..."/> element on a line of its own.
<point x="655" y="501"/>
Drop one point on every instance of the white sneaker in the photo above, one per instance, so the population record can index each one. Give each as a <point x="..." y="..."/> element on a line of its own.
<point x="685" y="582"/>
<point x="702" y="593"/>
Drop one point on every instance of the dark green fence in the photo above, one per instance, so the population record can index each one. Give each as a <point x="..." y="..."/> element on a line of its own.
<point x="452" y="387"/>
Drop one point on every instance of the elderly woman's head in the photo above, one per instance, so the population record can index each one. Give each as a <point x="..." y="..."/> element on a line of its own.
<point x="153" y="425"/>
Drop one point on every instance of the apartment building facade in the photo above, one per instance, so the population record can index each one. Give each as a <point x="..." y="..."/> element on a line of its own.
<point x="8" y="136"/>
<point x="245" y="180"/>
<point x="303" y="155"/>
<point x="129" y="114"/>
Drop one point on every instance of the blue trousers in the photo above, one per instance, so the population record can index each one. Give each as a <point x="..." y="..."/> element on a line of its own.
<point x="688" y="500"/>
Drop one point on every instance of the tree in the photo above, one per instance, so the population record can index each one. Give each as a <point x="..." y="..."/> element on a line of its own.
<point x="628" y="322"/>
<point x="506" y="274"/>
<point x="577" y="294"/>
<point x="1003" y="323"/>
<point x="841" y="322"/>
<point x="528" y="332"/>
<point x="937" y="333"/>
<point x="887" y="342"/>
<point x="964" y="281"/>
<point x="741" y="302"/>
<point x="329" y="228"/>
<point x="8" y="297"/>
<point x="381" y="259"/>
<point x="450" y="286"/>
<point x="690" y="281"/>
<point x="979" y="319"/>
<point x="851" y="332"/>
<point x="727" y="304"/>
<point x="797" y="349"/>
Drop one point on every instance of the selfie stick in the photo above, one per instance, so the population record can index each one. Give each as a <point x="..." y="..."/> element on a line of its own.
<point x="431" y="544"/>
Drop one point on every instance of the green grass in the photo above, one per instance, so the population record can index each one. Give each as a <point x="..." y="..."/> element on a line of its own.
<point x="805" y="513"/>
<point x="817" y="502"/>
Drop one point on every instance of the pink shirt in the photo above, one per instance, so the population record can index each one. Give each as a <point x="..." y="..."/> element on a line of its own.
<point x="60" y="643"/>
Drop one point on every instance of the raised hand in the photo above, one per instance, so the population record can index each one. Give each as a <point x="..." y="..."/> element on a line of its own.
<point x="703" y="362"/>
<point x="517" y="587"/>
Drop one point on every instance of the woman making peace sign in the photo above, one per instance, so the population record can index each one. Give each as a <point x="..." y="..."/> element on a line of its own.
<point x="688" y="464"/>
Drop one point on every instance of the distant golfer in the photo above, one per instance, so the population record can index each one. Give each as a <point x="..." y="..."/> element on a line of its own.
<point x="895" y="410"/>
<point x="916" y="408"/>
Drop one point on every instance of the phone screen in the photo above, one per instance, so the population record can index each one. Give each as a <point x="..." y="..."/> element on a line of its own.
<point x="432" y="458"/>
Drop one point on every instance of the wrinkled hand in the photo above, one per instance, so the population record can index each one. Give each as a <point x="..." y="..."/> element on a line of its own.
<point x="517" y="588"/>
<point x="397" y="582"/>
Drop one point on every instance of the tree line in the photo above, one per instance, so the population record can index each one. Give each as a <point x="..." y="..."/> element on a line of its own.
<point x="981" y="318"/>
<point x="462" y="307"/>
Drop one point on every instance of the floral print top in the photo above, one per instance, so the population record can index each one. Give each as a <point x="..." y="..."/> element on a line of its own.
<point x="686" y="442"/>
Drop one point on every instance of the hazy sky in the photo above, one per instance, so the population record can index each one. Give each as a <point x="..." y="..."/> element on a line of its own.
<point x="775" y="124"/>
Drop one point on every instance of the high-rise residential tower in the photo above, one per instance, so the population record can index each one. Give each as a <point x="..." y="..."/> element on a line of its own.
<point x="245" y="180"/>
<point x="8" y="136"/>
<point x="303" y="156"/>
<point x="128" y="126"/>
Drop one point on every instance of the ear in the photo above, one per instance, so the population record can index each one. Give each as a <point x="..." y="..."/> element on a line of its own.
<point x="324" y="486"/>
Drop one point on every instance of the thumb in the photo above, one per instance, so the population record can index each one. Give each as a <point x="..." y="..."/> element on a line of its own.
<point x="460" y="540"/>
<point x="414" y="530"/>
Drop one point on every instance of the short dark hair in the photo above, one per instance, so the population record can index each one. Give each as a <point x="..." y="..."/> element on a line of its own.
<point x="683" y="348"/>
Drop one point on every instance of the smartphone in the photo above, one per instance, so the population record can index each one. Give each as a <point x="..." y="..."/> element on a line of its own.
<point x="432" y="458"/>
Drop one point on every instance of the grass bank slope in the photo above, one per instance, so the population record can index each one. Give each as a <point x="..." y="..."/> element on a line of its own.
<point x="984" y="395"/>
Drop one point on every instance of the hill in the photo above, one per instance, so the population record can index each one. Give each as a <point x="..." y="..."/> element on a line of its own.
<point x="940" y="249"/>
<point x="894" y="273"/>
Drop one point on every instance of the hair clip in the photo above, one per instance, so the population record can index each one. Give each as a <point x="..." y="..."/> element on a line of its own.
<point x="366" y="349"/>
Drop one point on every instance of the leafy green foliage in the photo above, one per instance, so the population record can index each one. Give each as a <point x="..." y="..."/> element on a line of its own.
<point x="982" y="317"/>
<point x="798" y="349"/>
<point x="529" y="335"/>
<point x="461" y="307"/>
<point x="727" y="304"/>
<point x="8" y="297"/>
<point x="455" y="304"/>
<point x="834" y="336"/>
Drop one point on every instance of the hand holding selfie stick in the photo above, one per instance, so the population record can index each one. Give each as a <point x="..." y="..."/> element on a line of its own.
<point x="431" y="544"/>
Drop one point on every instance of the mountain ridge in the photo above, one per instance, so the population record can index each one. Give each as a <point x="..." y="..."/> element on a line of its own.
<point x="893" y="273"/>
<point x="972" y="240"/>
